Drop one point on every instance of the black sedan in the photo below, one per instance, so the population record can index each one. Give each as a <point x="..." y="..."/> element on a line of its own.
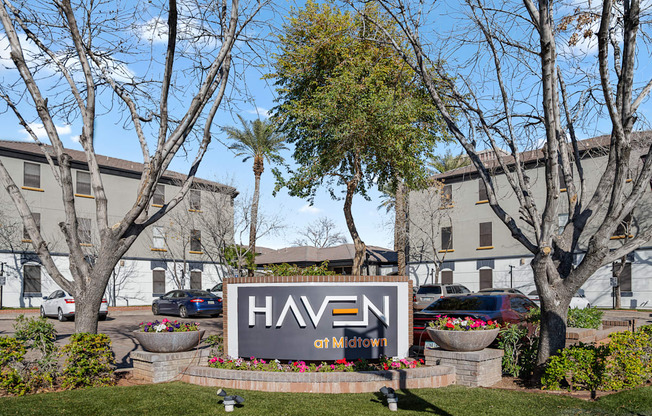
<point x="185" y="303"/>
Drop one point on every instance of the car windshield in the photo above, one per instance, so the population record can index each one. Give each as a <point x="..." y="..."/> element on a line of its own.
<point x="465" y="303"/>
<point x="434" y="290"/>
<point x="200" y="294"/>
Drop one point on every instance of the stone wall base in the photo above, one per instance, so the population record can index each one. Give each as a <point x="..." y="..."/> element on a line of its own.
<point x="160" y="367"/>
<point x="336" y="382"/>
<point x="473" y="369"/>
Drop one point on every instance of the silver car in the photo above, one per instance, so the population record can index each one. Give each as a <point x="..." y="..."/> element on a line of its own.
<point x="62" y="305"/>
<point x="430" y="293"/>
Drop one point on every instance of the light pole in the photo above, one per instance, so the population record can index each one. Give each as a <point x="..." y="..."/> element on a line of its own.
<point x="3" y="279"/>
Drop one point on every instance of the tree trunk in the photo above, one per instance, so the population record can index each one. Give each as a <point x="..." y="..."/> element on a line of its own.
<point x="555" y="300"/>
<point x="399" y="226"/>
<point x="360" y="247"/>
<point x="258" y="171"/>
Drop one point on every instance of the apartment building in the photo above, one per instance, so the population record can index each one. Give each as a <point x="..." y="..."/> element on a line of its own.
<point x="179" y="251"/>
<point x="452" y="225"/>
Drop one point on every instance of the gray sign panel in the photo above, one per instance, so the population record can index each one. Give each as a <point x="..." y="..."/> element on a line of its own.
<point x="317" y="322"/>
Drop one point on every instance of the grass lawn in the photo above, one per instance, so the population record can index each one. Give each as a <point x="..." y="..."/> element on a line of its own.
<point x="180" y="399"/>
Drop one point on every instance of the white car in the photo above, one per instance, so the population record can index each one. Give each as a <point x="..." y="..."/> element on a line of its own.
<point x="578" y="301"/>
<point x="62" y="305"/>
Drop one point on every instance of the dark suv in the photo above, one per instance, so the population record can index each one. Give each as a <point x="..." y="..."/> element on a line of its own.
<point x="430" y="293"/>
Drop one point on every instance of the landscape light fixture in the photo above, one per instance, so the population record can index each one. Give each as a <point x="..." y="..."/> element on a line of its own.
<point x="392" y="399"/>
<point x="229" y="401"/>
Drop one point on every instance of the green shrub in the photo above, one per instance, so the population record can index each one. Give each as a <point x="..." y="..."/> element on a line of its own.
<point x="579" y="366"/>
<point x="215" y="343"/>
<point x="510" y="340"/>
<point x="294" y="270"/>
<point x="623" y="363"/>
<point x="89" y="361"/>
<point x="36" y="333"/>
<point x="585" y="318"/>
<point x="12" y="382"/>
<point x="11" y="351"/>
<point x="630" y="361"/>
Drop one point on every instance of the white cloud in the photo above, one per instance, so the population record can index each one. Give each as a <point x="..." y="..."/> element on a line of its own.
<point x="189" y="30"/>
<point x="309" y="209"/>
<point x="260" y="112"/>
<point x="40" y="132"/>
<point x="154" y="31"/>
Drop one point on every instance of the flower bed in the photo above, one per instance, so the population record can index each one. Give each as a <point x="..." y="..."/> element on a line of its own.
<point x="168" y="326"/>
<point x="468" y="323"/>
<point x="342" y="365"/>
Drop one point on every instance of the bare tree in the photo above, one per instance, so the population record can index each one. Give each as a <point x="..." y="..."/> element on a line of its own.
<point x="72" y="63"/>
<point x="320" y="233"/>
<point x="429" y="213"/>
<point x="538" y="89"/>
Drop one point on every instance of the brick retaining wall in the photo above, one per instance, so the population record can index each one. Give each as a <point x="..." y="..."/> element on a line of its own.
<point x="336" y="382"/>
<point x="473" y="369"/>
<point x="160" y="367"/>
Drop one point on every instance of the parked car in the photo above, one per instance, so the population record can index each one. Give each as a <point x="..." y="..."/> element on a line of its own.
<point x="185" y="303"/>
<point x="501" y="290"/>
<point x="62" y="305"/>
<point x="216" y="290"/>
<point x="578" y="301"/>
<point x="426" y="294"/>
<point x="501" y="307"/>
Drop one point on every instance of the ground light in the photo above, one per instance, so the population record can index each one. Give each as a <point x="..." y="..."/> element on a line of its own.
<point x="229" y="401"/>
<point x="392" y="399"/>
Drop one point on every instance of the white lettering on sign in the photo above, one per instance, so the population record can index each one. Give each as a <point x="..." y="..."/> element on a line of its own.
<point x="290" y="305"/>
<point x="366" y="306"/>
<point x="267" y="310"/>
<point x="315" y="317"/>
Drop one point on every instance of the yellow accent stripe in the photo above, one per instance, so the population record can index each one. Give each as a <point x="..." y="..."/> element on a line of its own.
<point x="344" y="311"/>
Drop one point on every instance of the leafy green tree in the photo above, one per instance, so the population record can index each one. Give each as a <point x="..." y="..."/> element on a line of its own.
<point x="259" y="140"/>
<point x="357" y="118"/>
<point x="448" y="162"/>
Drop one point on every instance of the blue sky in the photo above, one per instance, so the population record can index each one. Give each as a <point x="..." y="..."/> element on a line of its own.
<point x="115" y="138"/>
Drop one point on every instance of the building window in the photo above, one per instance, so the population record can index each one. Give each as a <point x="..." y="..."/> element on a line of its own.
<point x="195" y="241"/>
<point x="158" y="282"/>
<point x="562" y="220"/>
<point x="31" y="280"/>
<point x="486" y="278"/>
<point x="562" y="180"/>
<point x="37" y="219"/>
<point x="159" y="195"/>
<point x="446" y="277"/>
<point x="624" y="229"/>
<point x="195" y="279"/>
<point x="195" y="200"/>
<point x="158" y="237"/>
<point x="32" y="175"/>
<point x="83" y="183"/>
<point x="625" y="279"/>
<point x="447" y="196"/>
<point x="485" y="235"/>
<point x="482" y="191"/>
<point x="447" y="238"/>
<point x="85" y="234"/>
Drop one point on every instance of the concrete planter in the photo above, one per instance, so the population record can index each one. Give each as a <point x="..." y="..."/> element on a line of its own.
<point x="463" y="340"/>
<point x="169" y="341"/>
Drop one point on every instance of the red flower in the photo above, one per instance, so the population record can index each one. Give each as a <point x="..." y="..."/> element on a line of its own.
<point x="449" y="325"/>
<point x="385" y="366"/>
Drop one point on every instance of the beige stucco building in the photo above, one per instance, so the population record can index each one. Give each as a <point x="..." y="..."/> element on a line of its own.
<point x="456" y="227"/>
<point x="180" y="250"/>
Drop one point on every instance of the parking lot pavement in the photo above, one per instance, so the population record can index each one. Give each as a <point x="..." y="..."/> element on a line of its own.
<point x="118" y="326"/>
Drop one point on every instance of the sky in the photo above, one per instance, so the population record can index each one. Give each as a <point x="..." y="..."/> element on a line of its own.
<point x="253" y="98"/>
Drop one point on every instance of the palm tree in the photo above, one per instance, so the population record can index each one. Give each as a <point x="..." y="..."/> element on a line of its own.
<point x="259" y="140"/>
<point x="448" y="162"/>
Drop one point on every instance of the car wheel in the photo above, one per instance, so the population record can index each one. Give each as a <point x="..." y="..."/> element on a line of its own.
<point x="183" y="312"/>
<point x="42" y="312"/>
<point x="155" y="310"/>
<point x="102" y="317"/>
<point x="60" y="316"/>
